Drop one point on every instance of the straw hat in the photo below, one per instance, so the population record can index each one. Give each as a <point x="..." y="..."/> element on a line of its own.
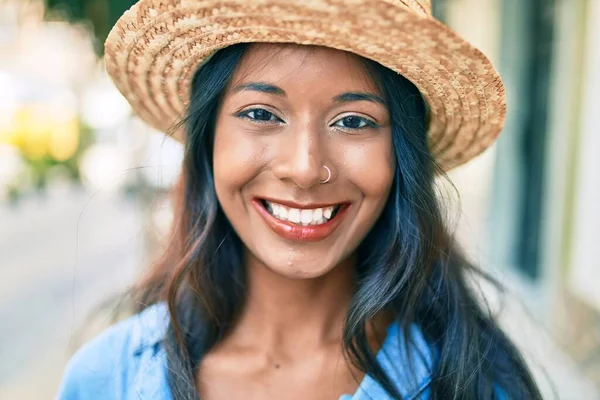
<point x="156" y="47"/>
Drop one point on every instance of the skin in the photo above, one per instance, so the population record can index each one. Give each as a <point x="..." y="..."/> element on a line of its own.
<point x="287" y="342"/>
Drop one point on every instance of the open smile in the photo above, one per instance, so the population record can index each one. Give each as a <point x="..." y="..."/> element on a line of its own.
<point x="305" y="223"/>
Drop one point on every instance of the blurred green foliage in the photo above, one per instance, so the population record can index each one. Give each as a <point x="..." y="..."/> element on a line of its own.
<point x="101" y="15"/>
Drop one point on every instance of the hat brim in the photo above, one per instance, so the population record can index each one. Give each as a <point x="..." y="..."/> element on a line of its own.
<point x="156" y="47"/>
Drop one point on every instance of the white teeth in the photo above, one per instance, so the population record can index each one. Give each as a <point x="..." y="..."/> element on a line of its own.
<point x="306" y="216"/>
<point x="283" y="212"/>
<point x="316" y="216"/>
<point x="294" y="215"/>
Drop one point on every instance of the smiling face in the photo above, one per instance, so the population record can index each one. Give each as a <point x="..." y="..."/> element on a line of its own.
<point x="289" y="112"/>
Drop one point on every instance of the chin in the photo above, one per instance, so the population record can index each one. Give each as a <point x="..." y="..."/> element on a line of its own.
<point x="295" y="264"/>
<point x="302" y="272"/>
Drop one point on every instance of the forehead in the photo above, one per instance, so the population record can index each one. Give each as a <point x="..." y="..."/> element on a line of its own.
<point x="307" y="65"/>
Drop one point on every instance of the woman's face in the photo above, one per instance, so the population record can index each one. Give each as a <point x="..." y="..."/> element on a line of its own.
<point x="289" y="111"/>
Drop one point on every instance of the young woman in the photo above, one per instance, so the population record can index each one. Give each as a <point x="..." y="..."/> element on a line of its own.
<point x="309" y="258"/>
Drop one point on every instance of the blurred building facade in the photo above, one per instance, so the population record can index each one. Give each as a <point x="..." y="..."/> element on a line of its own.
<point x="540" y="216"/>
<point x="545" y="225"/>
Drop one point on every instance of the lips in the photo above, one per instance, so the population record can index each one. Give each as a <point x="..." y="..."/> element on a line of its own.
<point x="301" y="223"/>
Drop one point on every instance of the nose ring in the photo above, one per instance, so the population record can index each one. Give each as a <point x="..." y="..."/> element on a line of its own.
<point x="328" y="174"/>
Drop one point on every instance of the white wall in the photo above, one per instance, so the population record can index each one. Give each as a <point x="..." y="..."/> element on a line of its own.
<point x="585" y="248"/>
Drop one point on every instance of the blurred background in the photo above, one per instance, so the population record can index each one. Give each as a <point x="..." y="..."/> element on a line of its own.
<point x="83" y="184"/>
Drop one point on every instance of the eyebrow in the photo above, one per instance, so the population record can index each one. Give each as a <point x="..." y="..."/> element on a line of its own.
<point x="260" y="87"/>
<point x="358" y="96"/>
<point x="342" y="98"/>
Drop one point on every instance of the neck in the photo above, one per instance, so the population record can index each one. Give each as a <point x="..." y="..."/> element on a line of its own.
<point x="295" y="313"/>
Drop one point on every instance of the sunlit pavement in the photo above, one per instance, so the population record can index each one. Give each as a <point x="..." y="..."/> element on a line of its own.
<point x="59" y="256"/>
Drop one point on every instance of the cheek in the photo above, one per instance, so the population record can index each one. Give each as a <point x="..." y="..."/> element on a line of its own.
<point x="236" y="159"/>
<point x="371" y="167"/>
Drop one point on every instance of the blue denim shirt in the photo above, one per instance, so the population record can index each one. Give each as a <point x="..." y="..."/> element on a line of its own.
<point x="128" y="361"/>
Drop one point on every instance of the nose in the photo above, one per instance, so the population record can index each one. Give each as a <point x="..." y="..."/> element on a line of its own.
<point x="300" y="157"/>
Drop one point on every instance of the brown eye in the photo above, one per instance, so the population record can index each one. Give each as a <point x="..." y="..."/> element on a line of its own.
<point x="354" y="122"/>
<point x="259" y="115"/>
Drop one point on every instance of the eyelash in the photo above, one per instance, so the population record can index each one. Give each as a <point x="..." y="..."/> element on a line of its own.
<point x="367" y="122"/>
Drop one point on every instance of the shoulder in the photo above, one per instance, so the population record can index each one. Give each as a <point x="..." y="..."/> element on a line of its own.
<point x="107" y="366"/>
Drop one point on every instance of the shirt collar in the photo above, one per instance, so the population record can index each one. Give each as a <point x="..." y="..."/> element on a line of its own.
<point x="409" y="367"/>
<point x="151" y="381"/>
<point x="151" y="327"/>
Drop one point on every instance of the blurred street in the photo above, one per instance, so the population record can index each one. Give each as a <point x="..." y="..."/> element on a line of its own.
<point x="53" y="275"/>
<point x="526" y="211"/>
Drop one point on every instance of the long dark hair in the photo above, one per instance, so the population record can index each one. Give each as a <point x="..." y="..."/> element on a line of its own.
<point x="408" y="265"/>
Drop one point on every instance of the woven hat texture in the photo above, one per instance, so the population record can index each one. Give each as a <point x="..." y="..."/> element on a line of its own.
<point x="156" y="47"/>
